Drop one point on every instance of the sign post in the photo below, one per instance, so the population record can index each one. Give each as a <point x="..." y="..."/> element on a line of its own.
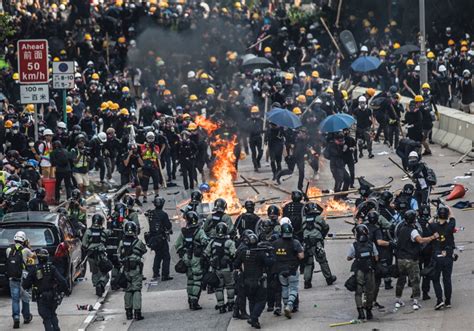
<point x="34" y="73"/>
<point x="63" y="79"/>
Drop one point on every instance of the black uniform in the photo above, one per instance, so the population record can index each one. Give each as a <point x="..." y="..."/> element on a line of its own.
<point x="49" y="283"/>
<point x="246" y="221"/>
<point x="160" y="226"/>
<point x="255" y="129"/>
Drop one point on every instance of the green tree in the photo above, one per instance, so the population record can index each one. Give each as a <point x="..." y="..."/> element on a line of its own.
<point x="7" y="28"/>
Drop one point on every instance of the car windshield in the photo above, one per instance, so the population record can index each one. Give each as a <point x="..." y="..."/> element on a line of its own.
<point x="38" y="236"/>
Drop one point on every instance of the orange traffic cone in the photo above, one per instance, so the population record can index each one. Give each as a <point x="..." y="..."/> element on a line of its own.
<point x="457" y="192"/>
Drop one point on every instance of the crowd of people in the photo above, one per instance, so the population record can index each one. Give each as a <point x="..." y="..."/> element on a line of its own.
<point x="147" y="74"/>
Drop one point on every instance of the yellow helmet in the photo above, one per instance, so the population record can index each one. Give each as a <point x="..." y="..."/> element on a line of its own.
<point x="382" y="53"/>
<point x="366" y="23"/>
<point x="124" y="111"/>
<point x="204" y="76"/>
<point x="16" y="76"/>
<point x="192" y="126"/>
<point x="166" y="92"/>
<point x="224" y="10"/>
<point x="370" y="91"/>
<point x="419" y="98"/>
<point x="164" y="5"/>
<point x="118" y="3"/>
<point x="125" y="89"/>
<point x="309" y="93"/>
<point x="186" y="115"/>
<point x="430" y="55"/>
<point x="426" y="86"/>
<point x="193" y="97"/>
<point x="62" y="52"/>
<point x="288" y="76"/>
<point x="301" y="98"/>
<point x="30" y="108"/>
<point x="374" y="30"/>
<point x="315" y="74"/>
<point x="255" y="16"/>
<point x="68" y="109"/>
<point x="267" y="50"/>
<point x="254" y="109"/>
<point x="87" y="37"/>
<point x="464" y="49"/>
<point x="237" y="5"/>
<point x="56" y="59"/>
<point x="410" y="62"/>
<point x="396" y="46"/>
<point x="121" y="40"/>
<point x="103" y="106"/>
<point x="393" y="23"/>
<point x="297" y="111"/>
<point x="464" y="43"/>
<point x="95" y="76"/>
<point x="345" y="95"/>
<point x="329" y="90"/>
<point x="210" y="91"/>
<point x="161" y="82"/>
<point x="232" y="56"/>
<point x="115" y="106"/>
<point x="110" y="103"/>
<point x="451" y="42"/>
<point x="8" y="124"/>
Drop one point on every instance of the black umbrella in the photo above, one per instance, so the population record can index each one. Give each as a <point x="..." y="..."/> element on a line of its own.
<point x="405" y="49"/>
<point x="257" y="63"/>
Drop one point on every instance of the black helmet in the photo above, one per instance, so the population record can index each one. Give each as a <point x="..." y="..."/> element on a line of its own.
<point x="192" y="218"/>
<point x="130" y="228"/>
<point x="267" y="226"/>
<point x="425" y="210"/>
<point x="98" y="220"/>
<point x="286" y="231"/>
<point x="221" y="229"/>
<point x="159" y="202"/>
<point x="339" y="135"/>
<point x="129" y="201"/>
<point x="76" y="128"/>
<point x="41" y="193"/>
<point x="273" y="211"/>
<point x="372" y="217"/>
<point x="408" y="189"/>
<point x="364" y="191"/>
<point x="76" y="194"/>
<point x="410" y="216"/>
<point x="251" y="239"/>
<point x="42" y="255"/>
<point x="386" y="197"/>
<point x="249" y="206"/>
<point x="393" y="89"/>
<point x="362" y="232"/>
<point x="196" y="196"/>
<point x="246" y="233"/>
<point x="312" y="208"/>
<point x="296" y="196"/>
<point x="220" y="205"/>
<point x="443" y="212"/>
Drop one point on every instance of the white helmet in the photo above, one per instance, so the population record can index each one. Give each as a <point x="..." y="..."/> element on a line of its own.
<point x="302" y="74"/>
<point x="364" y="49"/>
<point x="191" y="74"/>
<point x="47" y="132"/>
<point x="285" y="220"/>
<point x="20" y="236"/>
<point x="442" y="68"/>
<point x="150" y="137"/>
<point x="102" y="137"/>
<point x="466" y="72"/>
<point x="62" y="125"/>
<point x="362" y="99"/>
<point x="318" y="100"/>
<point x="417" y="68"/>
<point x="413" y="154"/>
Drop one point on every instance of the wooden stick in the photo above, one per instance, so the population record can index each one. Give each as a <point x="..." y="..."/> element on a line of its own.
<point x="453" y="164"/>
<point x="272" y="186"/>
<point x="338" y="13"/>
<point x="249" y="184"/>
<point x="377" y="188"/>
<point x="330" y="35"/>
<point x="259" y="42"/>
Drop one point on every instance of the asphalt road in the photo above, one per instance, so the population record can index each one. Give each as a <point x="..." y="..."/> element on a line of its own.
<point x="165" y="304"/>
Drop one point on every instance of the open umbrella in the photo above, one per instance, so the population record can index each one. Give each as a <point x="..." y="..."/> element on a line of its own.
<point x="257" y="63"/>
<point x="405" y="49"/>
<point x="337" y="122"/>
<point x="247" y="57"/>
<point x="283" y="117"/>
<point x="365" y="64"/>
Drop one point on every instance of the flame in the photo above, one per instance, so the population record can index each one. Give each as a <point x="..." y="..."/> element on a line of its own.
<point x="314" y="191"/>
<point x="337" y="206"/>
<point x="208" y="125"/>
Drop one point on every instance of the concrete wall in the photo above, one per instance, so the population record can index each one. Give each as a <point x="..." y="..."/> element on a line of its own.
<point x="455" y="129"/>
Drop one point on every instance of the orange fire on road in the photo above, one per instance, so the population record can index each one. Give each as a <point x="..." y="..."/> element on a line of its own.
<point x="332" y="206"/>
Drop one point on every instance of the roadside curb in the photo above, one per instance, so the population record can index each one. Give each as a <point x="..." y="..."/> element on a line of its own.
<point x="93" y="314"/>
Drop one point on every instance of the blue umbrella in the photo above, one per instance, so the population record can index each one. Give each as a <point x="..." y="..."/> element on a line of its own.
<point x="365" y="64"/>
<point x="337" y="122"/>
<point x="283" y="117"/>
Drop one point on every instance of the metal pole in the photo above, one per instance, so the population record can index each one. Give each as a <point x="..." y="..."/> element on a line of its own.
<point x="36" y="123"/>
<point x="64" y="107"/>
<point x="423" y="59"/>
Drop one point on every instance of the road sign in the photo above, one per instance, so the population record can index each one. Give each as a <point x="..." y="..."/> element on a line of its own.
<point x="33" y="61"/>
<point x="34" y="93"/>
<point x="63" y="75"/>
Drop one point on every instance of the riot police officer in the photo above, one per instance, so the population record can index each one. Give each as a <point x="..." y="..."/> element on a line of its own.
<point x="115" y="227"/>
<point x="48" y="283"/>
<point x="218" y="215"/>
<point x="252" y="263"/>
<point x="94" y="242"/>
<point x="315" y="230"/>
<point x="160" y="229"/>
<point x="365" y="254"/>
<point x="288" y="253"/>
<point x="247" y="220"/>
<point x="131" y="214"/>
<point x="196" y="199"/>
<point x="190" y="245"/>
<point x="293" y="210"/>
<point x="131" y="250"/>
<point x="220" y="252"/>
<point x="423" y="177"/>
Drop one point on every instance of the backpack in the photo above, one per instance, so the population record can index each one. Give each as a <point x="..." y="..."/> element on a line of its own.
<point x="62" y="158"/>
<point x="15" y="263"/>
<point x="430" y="177"/>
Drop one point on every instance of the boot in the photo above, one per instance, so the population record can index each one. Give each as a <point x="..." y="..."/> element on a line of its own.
<point x="16" y="324"/>
<point x="308" y="285"/>
<point x="277" y="311"/>
<point x="138" y="315"/>
<point x="254" y="323"/>
<point x="230" y="306"/>
<point x="331" y="280"/>
<point x="222" y="310"/>
<point x="195" y="305"/>
<point x="369" y="313"/>
<point x="426" y="296"/>
<point x="388" y="284"/>
<point x="361" y="314"/>
<point x="129" y="314"/>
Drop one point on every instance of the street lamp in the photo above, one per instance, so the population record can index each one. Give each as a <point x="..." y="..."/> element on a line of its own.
<point x="423" y="59"/>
